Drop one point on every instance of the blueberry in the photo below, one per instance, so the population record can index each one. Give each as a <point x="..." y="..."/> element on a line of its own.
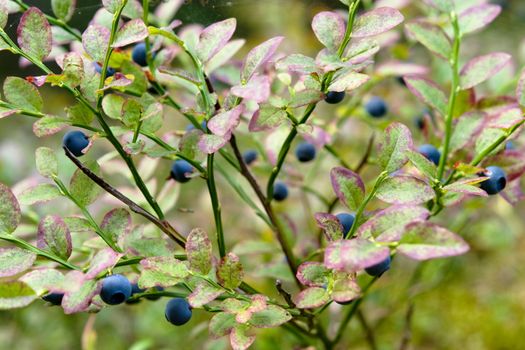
<point x="430" y="152"/>
<point x="376" y="107"/>
<point x="178" y="311"/>
<point x="54" y="298"/>
<point x="305" y="152"/>
<point x="249" y="156"/>
<point x="334" y="97"/>
<point x="280" y="191"/>
<point x="496" y="182"/>
<point x="138" y="55"/>
<point x="510" y="145"/>
<point x="346" y="220"/>
<point x="379" y="269"/>
<point x="180" y="170"/>
<point x="191" y="127"/>
<point x="135" y="289"/>
<point x="419" y="121"/>
<point x="401" y="81"/>
<point x="155" y="297"/>
<point x="75" y="142"/>
<point x="109" y="72"/>
<point x="116" y="289"/>
<point x="344" y="302"/>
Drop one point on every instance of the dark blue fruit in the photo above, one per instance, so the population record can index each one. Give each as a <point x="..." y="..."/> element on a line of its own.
<point x="180" y="171"/>
<point x="191" y="127"/>
<point x="376" y="107"/>
<point x="54" y="298"/>
<point x="249" y="156"/>
<point x="334" y="97"/>
<point x="109" y="72"/>
<point x="116" y="289"/>
<point x="75" y="142"/>
<point x="178" y="311"/>
<point x="305" y="152"/>
<point x="496" y="182"/>
<point x="379" y="269"/>
<point x="138" y="55"/>
<point x="346" y="220"/>
<point x="510" y="145"/>
<point x="280" y="191"/>
<point x="430" y="152"/>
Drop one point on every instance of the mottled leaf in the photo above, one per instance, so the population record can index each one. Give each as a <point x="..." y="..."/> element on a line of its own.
<point x="477" y="17"/>
<point x="258" y="56"/>
<point x="348" y="81"/>
<point x="212" y="143"/>
<point x="15" y="294"/>
<point x="345" y="289"/>
<point x="162" y="272"/>
<point x="313" y="274"/>
<point x="23" y="94"/>
<point x="272" y="316"/>
<point x="82" y="188"/>
<point x="46" y="162"/>
<point x="348" y="187"/>
<point x="225" y="123"/>
<point x="203" y="294"/>
<point x="221" y="324"/>
<point x="425" y="166"/>
<point x="105" y="259"/>
<point x="376" y="21"/>
<point x="311" y="298"/>
<point x="297" y="63"/>
<point x="9" y="210"/>
<point x="79" y="291"/>
<point x="329" y="28"/>
<point x="112" y="5"/>
<point x="43" y="280"/>
<point x="428" y="92"/>
<point x="240" y="339"/>
<point x="63" y="9"/>
<point x="39" y="194"/>
<point x="95" y="41"/>
<point x="53" y="234"/>
<point x="131" y="32"/>
<point x="353" y="255"/>
<point x="482" y="68"/>
<point x="330" y="225"/>
<point x="116" y="224"/>
<point x="15" y="260"/>
<point x="467" y="127"/>
<point x="431" y="36"/>
<point x="257" y="89"/>
<point x="520" y="89"/>
<point x="393" y="149"/>
<point x="404" y="190"/>
<point x="230" y="272"/>
<point x="49" y="125"/>
<point x="34" y="34"/>
<point x="214" y="37"/>
<point x="199" y="251"/>
<point x="266" y="118"/>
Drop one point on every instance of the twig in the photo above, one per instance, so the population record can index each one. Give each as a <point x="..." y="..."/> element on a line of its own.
<point x="286" y="296"/>
<point x="364" y="160"/>
<point x="369" y="333"/>
<point x="407" y="332"/>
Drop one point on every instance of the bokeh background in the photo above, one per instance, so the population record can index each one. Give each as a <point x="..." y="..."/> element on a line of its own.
<point x="472" y="302"/>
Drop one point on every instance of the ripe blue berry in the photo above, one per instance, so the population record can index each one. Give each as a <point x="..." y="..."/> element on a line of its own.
<point x="138" y="55"/>
<point x="496" y="182"/>
<point x="249" y="156"/>
<point x="116" y="289"/>
<point x="280" y="191"/>
<point x="75" y="142"/>
<point x="191" y="127"/>
<point x="109" y="72"/>
<point x="334" y="97"/>
<point x="180" y="171"/>
<point x="379" y="269"/>
<point x="178" y="311"/>
<point x="376" y="107"/>
<point x="430" y="152"/>
<point x="305" y="152"/>
<point x="510" y="145"/>
<point x="346" y="220"/>
<point x="54" y="298"/>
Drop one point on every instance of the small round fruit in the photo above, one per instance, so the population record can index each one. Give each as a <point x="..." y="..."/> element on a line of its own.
<point x="109" y="72"/>
<point x="346" y="220"/>
<point x="180" y="171"/>
<point x="116" y="289"/>
<point x="75" y="142"/>
<point x="376" y="107"/>
<point x="249" y="156"/>
<point x="54" y="298"/>
<point x="305" y="152"/>
<point x="510" y="145"/>
<point x="379" y="269"/>
<point x="334" y="97"/>
<point x="138" y="55"/>
<point x="178" y="311"/>
<point x="496" y="182"/>
<point x="280" y="191"/>
<point x="430" y="152"/>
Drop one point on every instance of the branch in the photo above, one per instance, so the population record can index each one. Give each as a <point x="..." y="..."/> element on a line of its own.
<point x="369" y="333"/>
<point x="407" y="333"/>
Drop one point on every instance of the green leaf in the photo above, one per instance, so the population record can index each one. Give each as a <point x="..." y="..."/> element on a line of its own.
<point x="95" y="41"/>
<point x="15" y="260"/>
<point x="131" y="32"/>
<point x="46" y="162"/>
<point x="140" y="83"/>
<point x="203" y="294"/>
<point x="49" y="125"/>
<point x="10" y="214"/>
<point x="15" y="295"/>
<point x="258" y="56"/>
<point x="112" y="105"/>
<point x="428" y="92"/>
<point x="230" y="272"/>
<point x="39" y="194"/>
<point x="329" y="28"/>
<point x="239" y="337"/>
<point x="482" y="68"/>
<point x="54" y="234"/>
<point x="353" y="255"/>
<point x="116" y="224"/>
<point x="267" y="117"/>
<point x="330" y="226"/>
<point x="348" y="187"/>
<point x="4" y="13"/>
<point x="79" y="291"/>
<point x="347" y="80"/>
<point x="43" y="280"/>
<point x="112" y="5"/>
<point x="221" y="324"/>
<point x="311" y="298"/>
<point x="34" y="34"/>
<point x="376" y="21"/>
<point x="345" y="288"/>
<point x="486" y="138"/>
<point x="477" y="17"/>
<point x="467" y="128"/>
<point x="432" y="37"/>
<point x="199" y="251"/>
<point x="214" y="37"/>
<point x="394" y="148"/>
<point x="426" y="167"/>
<point x="80" y="114"/>
<point x="63" y="9"/>
<point x="23" y="94"/>
<point x="73" y="72"/>
<point x="404" y="190"/>
<point x="82" y="188"/>
<point x="103" y="260"/>
<point x="313" y="274"/>
<point x="520" y="89"/>
<point x="272" y="316"/>
<point x="162" y="272"/>
<point x="305" y="97"/>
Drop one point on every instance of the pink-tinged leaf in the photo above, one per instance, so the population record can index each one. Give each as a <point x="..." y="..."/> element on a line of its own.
<point x="34" y="34"/>
<point x="267" y="117"/>
<point x="467" y="128"/>
<point x="230" y="272"/>
<point x="313" y="274"/>
<point x="297" y="64"/>
<point x="49" y="125"/>
<point x="311" y="298"/>
<point x="112" y="5"/>
<point x="353" y="255"/>
<point x="361" y="51"/>
<point x="4" y="13"/>
<point x="431" y="36"/>
<point x="388" y="224"/>
<point x="203" y="294"/>
<point x="329" y="28"/>
<point x="40" y="193"/>
<point x="79" y="291"/>
<point x="465" y="189"/>
<point x="376" y="21"/>
<point x="116" y="224"/>
<point x="43" y="280"/>
<point x="95" y="41"/>
<point x="258" y="56"/>
<point x="396" y="68"/>
<point x="131" y="32"/>
<point x="257" y="89"/>
<point x="53" y="234"/>
<point x="513" y="193"/>
<point x="10" y="214"/>
<point x="225" y="55"/>
<point x="428" y="92"/>
<point x="316" y="135"/>
<point x="425" y="240"/>
<point x="212" y="143"/>
<point x="105" y="259"/>
<point x="15" y="260"/>
<point x="272" y="316"/>
<point x="442" y="5"/>
<point x="15" y="295"/>
<point x="506" y="119"/>
<point x="348" y="81"/>
<point x="482" y="68"/>
<point x="425" y="166"/>
<point x="348" y="187"/>
<point x="330" y="226"/>
<point x="221" y="324"/>
<point x="23" y="94"/>
<point x="477" y="17"/>
<point x="345" y="288"/>
<point x="305" y="97"/>
<point x="214" y="37"/>
<point x="240" y="339"/>
<point x="162" y="272"/>
<point x="225" y="123"/>
<point x="118" y="81"/>
<point x="199" y="251"/>
<point x="394" y="148"/>
<point x="6" y="113"/>
<point x="404" y="190"/>
<point x="63" y="9"/>
<point x="520" y="89"/>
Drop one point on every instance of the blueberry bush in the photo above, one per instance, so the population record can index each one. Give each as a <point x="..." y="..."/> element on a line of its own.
<point x="134" y="68"/>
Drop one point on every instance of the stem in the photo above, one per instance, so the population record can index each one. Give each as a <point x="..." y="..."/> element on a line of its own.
<point x="369" y="332"/>
<point x="352" y="12"/>
<point x="216" y="206"/>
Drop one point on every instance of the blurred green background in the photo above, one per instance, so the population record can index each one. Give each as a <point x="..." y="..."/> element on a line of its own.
<point x="473" y="302"/>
